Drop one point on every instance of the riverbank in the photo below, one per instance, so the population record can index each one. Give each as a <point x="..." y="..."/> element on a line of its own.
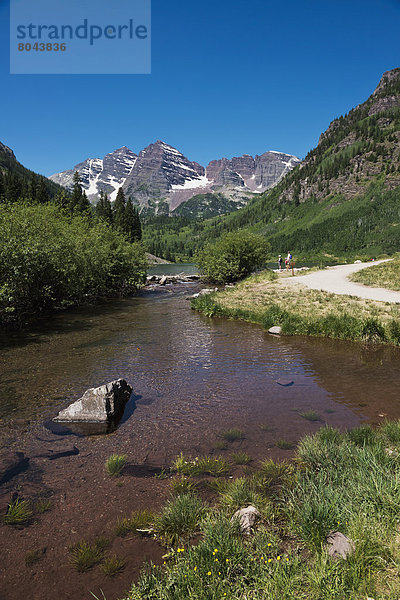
<point x="286" y="302"/>
<point x="308" y="539"/>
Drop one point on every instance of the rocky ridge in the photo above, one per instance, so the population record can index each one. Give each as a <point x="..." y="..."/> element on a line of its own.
<point x="160" y="178"/>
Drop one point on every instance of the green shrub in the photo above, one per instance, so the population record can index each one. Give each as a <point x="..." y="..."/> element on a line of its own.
<point x="114" y="464"/>
<point x="232" y="257"/>
<point x="51" y="260"/>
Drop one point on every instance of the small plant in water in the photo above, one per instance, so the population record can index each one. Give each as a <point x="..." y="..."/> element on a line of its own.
<point x="265" y="427"/>
<point x="201" y="465"/>
<point x="115" y="464"/>
<point x="113" y="565"/>
<point x="240" y="458"/>
<point x="310" y="415"/>
<point x="220" y="445"/>
<point x="19" y="513"/>
<point x="284" y="444"/>
<point x="33" y="556"/>
<point x="139" y="519"/>
<point x="179" y="519"/>
<point x="233" y="434"/>
<point x="84" y="556"/>
<point x="43" y="506"/>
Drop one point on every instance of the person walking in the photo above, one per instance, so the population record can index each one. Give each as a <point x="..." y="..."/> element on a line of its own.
<point x="288" y="261"/>
<point x="280" y="262"/>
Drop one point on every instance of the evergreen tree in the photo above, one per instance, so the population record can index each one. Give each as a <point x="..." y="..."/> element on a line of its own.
<point x="130" y="220"/>
<point x="76" y="192"/>
<point x="83" y="205"/>
<point x="137" y="232"/>
<point x="119" y="211"/>
<point x="42" y="195"/>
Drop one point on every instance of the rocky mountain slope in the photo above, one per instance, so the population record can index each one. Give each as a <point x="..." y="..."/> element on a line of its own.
<point x="160" y="178"/>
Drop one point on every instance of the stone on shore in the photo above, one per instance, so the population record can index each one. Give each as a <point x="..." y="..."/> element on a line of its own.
<point x="339" y="546"/>
<point x="247" y="518"/>
<point x="276" y="330"/>
<point x="98" y="405"/>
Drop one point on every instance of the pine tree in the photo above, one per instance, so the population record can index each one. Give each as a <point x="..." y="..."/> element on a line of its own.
<point x="42" y="195"/>
<point x="108" y="213"/>
<point x="137" y="232"/>
<point x="130" y="220"/>
<point x="119" y="210"/>
<point x="83" y="205"/>
<point x="76" y="192"/>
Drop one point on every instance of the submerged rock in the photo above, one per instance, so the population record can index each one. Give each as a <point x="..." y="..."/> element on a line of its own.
<point x="247" y="518"/>
<point x="98" y="405"/>
<point x="339" y="546"/>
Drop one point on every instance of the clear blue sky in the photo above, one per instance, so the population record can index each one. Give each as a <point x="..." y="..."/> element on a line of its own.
<point x="228" y="78"/>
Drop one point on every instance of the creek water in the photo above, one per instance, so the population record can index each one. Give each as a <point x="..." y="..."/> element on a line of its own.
<point x="193" y="374"/>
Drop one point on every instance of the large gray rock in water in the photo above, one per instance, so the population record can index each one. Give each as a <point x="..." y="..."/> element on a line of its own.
<point x="247" y="518"/>
<point x="98" y="405"/>
<point x="338" y="545"/>
<point x="275" y="330"/>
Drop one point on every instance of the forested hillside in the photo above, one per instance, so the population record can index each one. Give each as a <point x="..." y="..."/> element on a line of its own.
<point x="343" y="198"/>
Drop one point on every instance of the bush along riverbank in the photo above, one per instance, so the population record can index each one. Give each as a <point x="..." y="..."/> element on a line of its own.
<point x="325" y="527"/>
<point x="265" y="299"/>
<point x="50" y="260"/>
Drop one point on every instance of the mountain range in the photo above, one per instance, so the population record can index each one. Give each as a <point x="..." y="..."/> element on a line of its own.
<point x="343" y="197"/>
<point x="160" y="178"/>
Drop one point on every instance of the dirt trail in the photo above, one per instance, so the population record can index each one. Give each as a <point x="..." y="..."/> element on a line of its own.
<point x="335" y="280"/>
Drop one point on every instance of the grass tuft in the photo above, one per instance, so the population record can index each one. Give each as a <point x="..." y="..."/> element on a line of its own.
<point x="284" y="444"/>
<point x="240" y="458"/>
<point x="34" y="556"/>
<point x="85" y="556"/>
<point x="310" y="415"/>
<point x="115" y="464"/>
<point x="233" y="434"/>
<point x="216" y="466"/>
<point x="19" y="514"/>
<point x="113" y="565"/>
<point x="180" y="519"/>
<point x="139" y="519"/>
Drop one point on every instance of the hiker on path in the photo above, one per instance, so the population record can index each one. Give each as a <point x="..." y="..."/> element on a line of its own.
<point x="280" y="262"/>
<point x="288" y="261"/>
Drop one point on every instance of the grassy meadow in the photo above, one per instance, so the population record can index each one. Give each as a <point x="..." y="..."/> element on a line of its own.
<point x="385" y="275"/>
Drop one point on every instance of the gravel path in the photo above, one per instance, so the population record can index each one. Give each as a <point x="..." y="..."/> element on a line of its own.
<point x="335" y="280"/>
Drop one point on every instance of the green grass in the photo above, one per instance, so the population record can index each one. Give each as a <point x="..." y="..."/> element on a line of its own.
<point x="385" y="275"/>
<point x="302" y="311"/>
<point x="43" y="506"/>
<point x="182" y="485"/>
<point x="233" y="434"/>
<point x="115" y="464"/>
<point x="216" y="466"/>
<point x="180" y="519"/>
<point x="113" y="565"/>
<point x="19" y="514"/>
<point x="84" y="556"/>
<point x="220" y="445"/>
<point x="343" y="481"/>
<point x="139" y="519"/>
<point x="310" y="415"/>
<point x="284" y="444"/>
<point x="240" y="458"/>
